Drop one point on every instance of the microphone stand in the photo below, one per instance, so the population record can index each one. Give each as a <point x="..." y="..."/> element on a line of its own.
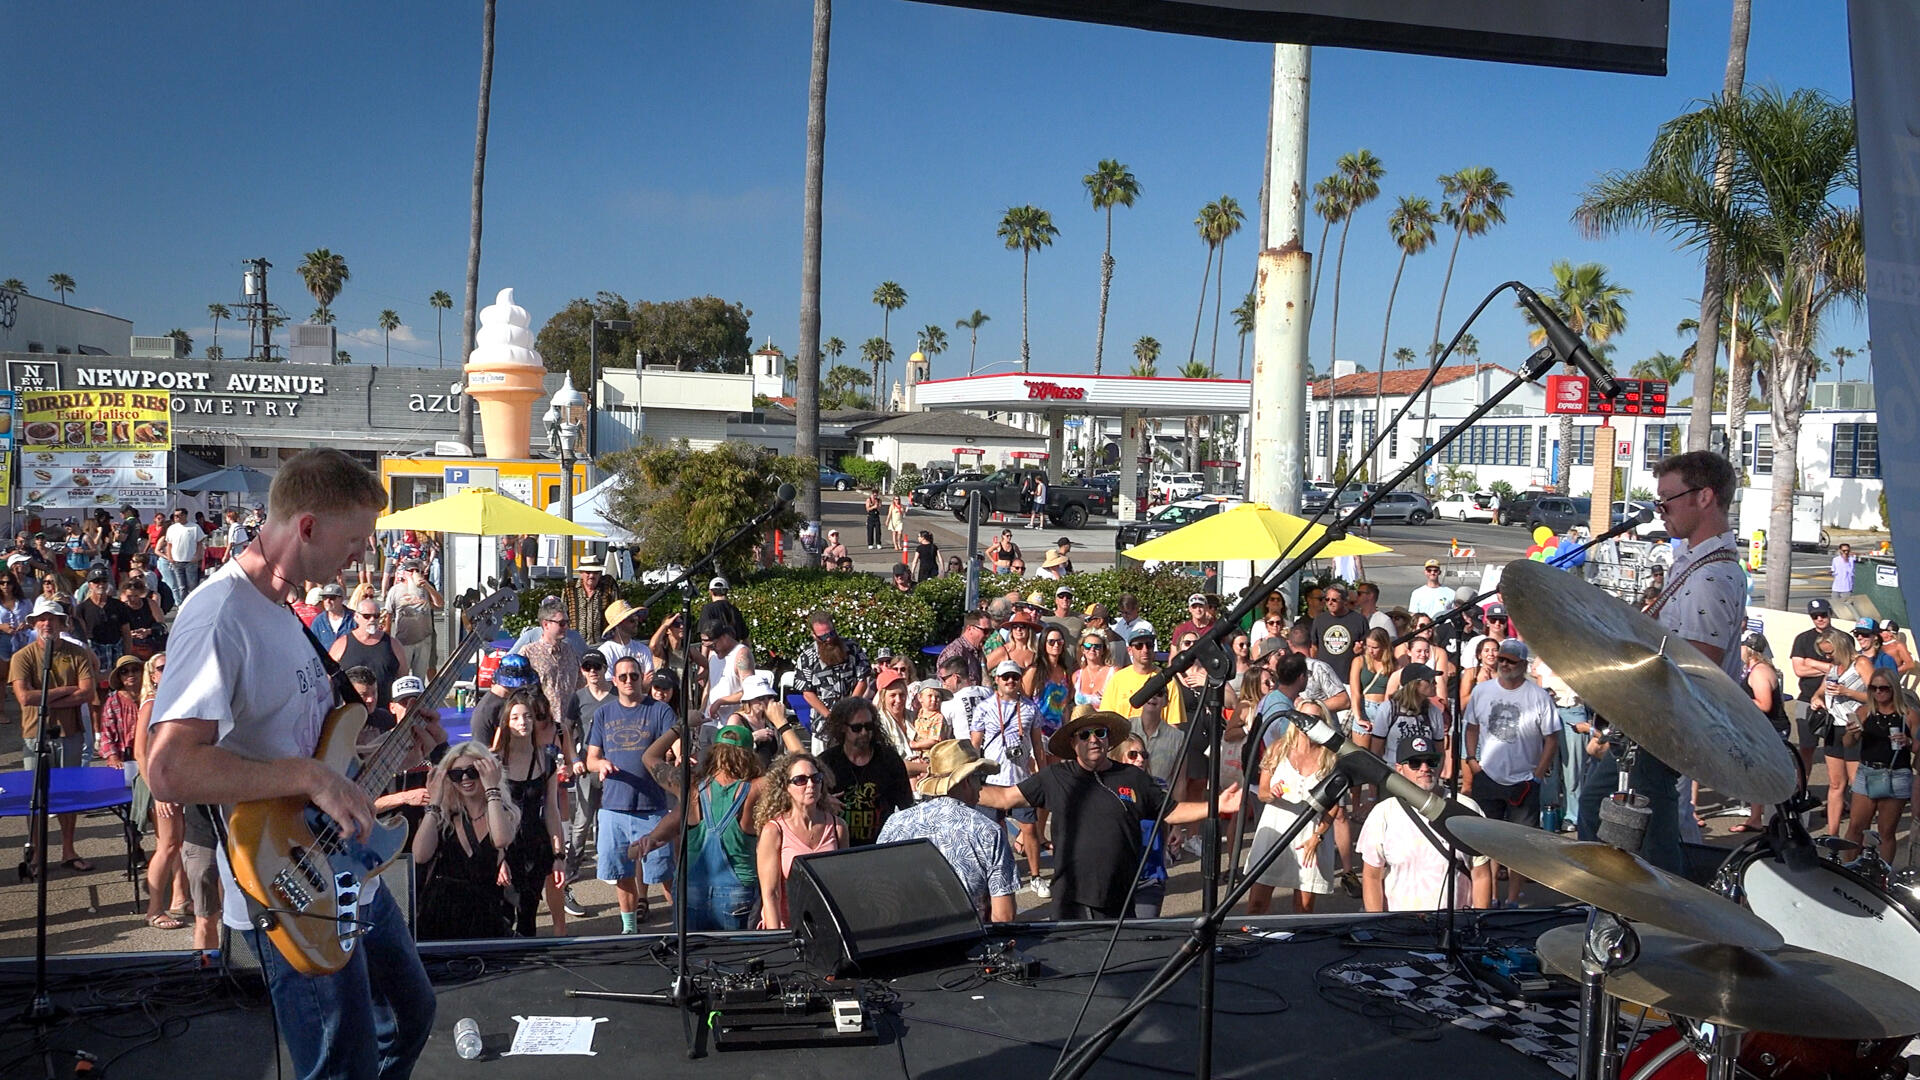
<point x="41" y="1014"/>
<point x="1214" y="637"/>
<point x="685" y="996"/>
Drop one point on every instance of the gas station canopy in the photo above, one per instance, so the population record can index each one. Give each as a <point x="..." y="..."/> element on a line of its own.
<point x="1087" y="395"/>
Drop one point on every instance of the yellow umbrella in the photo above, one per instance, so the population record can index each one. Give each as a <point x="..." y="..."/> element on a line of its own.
<point x="483" y="512"/>
<point x="1248" y="531"/>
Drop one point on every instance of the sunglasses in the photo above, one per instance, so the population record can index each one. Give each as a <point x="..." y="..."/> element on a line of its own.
<point x="1145" y="643"/>
<point x="1008" y="675"/>
<point x="1134" y="755"/>
<point x="1882" y="688"/>
<point x="851" y="728"/>
<point x="627" y="676"/>
<point x="463" y="774"/>
<point x="1090" y="733"/>
<point x="1661" y="504"/>
<point x="368" y="614"/>
<point x="1093" y="644"/>
<point x="1424" y="764"/>
<point x="803" y="779"/>
<point x="1506" y="661"/>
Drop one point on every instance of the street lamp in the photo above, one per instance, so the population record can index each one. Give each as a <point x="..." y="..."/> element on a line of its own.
<point x="594" y="327"/>
<point x="563" y="437"/>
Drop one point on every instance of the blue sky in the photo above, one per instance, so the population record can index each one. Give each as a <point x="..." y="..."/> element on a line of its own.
<point x="657" y="150"/>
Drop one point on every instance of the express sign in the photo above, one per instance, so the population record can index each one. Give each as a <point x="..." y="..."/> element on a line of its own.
<point x="1047" y="391"/>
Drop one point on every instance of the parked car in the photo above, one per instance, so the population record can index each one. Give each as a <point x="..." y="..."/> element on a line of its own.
<point x="933" y="493"/>
<point x="1466" y="506"/>
<point x="1110" y="484"/>
<point x="1167" y="518"/>
<point x="1650" y="530"/>
<point x="1068" y="505"/>
<point x="1515" y="508"/>
<point x="1408" y="506"/>
<point x="1179" y="485"/>
<point x="835" y="479"/>
<point x="1558" y="512"/>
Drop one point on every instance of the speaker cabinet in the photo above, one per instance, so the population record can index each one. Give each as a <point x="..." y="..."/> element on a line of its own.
<point x="892" y="908"/>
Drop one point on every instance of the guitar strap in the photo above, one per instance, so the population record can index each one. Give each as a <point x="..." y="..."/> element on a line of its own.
<point x="343" y="690"/>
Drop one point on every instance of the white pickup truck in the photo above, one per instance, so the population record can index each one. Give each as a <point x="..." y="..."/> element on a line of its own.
<point x="1753" y="507"/>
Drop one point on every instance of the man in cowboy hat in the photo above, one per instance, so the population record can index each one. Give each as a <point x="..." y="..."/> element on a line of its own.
<point x="623" y="619"/>
<point x="974" y="846"/>
<point x="1098" y="804"/>
<point x="1053" y="567"/>
<point x="588" y="599"/>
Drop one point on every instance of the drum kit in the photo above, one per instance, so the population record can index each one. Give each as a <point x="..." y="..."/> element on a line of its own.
<point x="1790" y="967"/>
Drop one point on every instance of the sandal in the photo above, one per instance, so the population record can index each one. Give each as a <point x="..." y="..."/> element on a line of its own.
<point x="1747" y="826"/>
<point x="183" y="912"/>
<point x="164" y="921"/>
<point x="78" y="865"/>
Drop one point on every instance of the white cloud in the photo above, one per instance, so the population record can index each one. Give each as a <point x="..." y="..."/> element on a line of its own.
<point x="402" y="335"/>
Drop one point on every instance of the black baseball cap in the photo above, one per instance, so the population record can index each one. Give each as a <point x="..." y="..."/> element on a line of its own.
<point x="1417" y="746"/>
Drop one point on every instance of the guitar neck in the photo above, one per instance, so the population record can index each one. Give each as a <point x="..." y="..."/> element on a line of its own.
<point x="396" y="750"/>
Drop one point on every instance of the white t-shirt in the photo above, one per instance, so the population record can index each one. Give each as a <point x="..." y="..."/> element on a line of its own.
<point x="959" y="709"/>
<point x="184" y="540"/>
<point x="1430" y="600"/>
<point x="1416" y="868"/>
<point x="1514" y="725"/>
<point x="724" y="677"/>
<point x="245" y="662"/>
<point x="615" y="651"/>
<point x="1006" y="728"/>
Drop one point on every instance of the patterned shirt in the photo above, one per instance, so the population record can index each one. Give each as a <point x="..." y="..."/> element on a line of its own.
<point x="558" y="666"/>
<point x="587" y="611"/>
<point x="973" y="844"/>
<point x="963" y="649"/>
<point x="830" y="684"/>
<point x="116" y="726"/>
<point x="1706" y="599"/>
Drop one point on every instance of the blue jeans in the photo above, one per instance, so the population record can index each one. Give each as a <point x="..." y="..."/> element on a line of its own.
<point x="720" y="905"/>
<point x="1573" y="759"/>
<point x="369" y="1019"/>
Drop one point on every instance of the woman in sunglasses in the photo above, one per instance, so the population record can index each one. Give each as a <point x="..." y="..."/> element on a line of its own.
<point x="795" y="818"/>
<point x="460" y="848"/>
<point x="1884" y="732"/>
<point x="1049" y="682"/>
<point x="1096" y="663"/>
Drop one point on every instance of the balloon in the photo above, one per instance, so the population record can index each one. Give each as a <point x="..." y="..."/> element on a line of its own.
<point x="1542" y="535"/>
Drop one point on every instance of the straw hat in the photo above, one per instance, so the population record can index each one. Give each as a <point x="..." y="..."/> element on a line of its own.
<point x="1053" y="559"/>
<point x="618" y="612"/>
<point x="951" y="762"/>
<point x="1060" y="745"/>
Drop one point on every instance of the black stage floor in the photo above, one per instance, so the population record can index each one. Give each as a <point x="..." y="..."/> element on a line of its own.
<point x="155" y="1017"/>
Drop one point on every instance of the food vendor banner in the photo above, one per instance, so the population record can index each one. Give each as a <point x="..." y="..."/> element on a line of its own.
<point x="96" y="420"/>
<point x="94" y="478"/>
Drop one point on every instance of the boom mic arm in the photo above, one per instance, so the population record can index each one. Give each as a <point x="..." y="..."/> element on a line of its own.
<point x="1566" y="343"/>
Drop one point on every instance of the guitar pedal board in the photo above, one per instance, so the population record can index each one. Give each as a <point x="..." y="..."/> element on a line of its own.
<point x="752" y="1010"/>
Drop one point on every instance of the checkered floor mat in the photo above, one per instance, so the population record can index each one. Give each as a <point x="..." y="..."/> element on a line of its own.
<point x="1547" y="1032"/>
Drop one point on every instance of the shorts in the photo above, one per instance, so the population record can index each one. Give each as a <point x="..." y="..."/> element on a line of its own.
<point x="203" y="879"/>
<point x="1800" y="718"/>
<point x="618" y="829"/>
<point x="1025" y="815"/>
<point x="1373" y="720"/>
<point x="1841" y="752"/>
<point x="1876" y="783"/>
<point x="1497" y="801"/>
<point x="65" y="752"/>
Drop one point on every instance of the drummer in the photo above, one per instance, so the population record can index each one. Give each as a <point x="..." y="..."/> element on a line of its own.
<point x="1704" y="601"/>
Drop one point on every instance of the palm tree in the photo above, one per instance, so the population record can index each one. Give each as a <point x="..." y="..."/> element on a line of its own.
<point x="216" y="312"/>
<point x="876" y="352"/>
<point x="1362" y="172"/>
<point x="1411" y="226"/>
<point x="933" y="342"/>
<point x="806" y="387"/>
<point x="1205" y="222"/>
<point x="441" y="303"/>
<point x="1591" y="307"/>
<point x="14" y="284"/>
<point x="472" y="310"/>
<point x="1403" y="356"/>
<point x="1243" y="322"/>
<point x="342" y="356"/>
<point x="1025" y="228"/>
<point x="1145" y="351"/>
<point x="1225" y="224"/>
<point x="1475" y="202"/>
<point x="1713" y="288"/>
<point x="1194" y="369"/>
<point x="325" y="274"/>
<point x="215" y="352"/>
<point x="1841" y="354"/>
<point x="972" y="324"/>
<point x="891" y="298"/>
<point x="1110" y="184"/>
<point x="834" y="347"/>
<point x="1789" y="224"/>
<point x="1468" y="348"/>
<point x="1330" y="202"/>
<point x="1660" y="367"/>
<point x="183" y="339"/>
<point x="321" y="316"/>
<point x="389" y="322"/>
<point x="62" y="284"/>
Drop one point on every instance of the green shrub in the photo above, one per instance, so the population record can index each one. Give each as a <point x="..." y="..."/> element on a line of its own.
<point x="1502" y="489"/>
<point x="865" y="609"/>
<point x="908" y="479"/>
<point x="866" y="472"/>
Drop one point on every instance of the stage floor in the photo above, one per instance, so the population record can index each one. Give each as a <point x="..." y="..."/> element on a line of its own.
<point x="1280" y="1010"/>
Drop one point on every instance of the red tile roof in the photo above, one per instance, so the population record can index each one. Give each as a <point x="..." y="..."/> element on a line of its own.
<point x="1398" y="383"/>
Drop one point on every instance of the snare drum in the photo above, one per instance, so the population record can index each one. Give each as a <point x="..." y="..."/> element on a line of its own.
<point x="1829" y="909"/>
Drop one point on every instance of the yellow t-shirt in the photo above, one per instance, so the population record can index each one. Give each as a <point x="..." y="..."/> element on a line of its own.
<point x="1116" y="698"/>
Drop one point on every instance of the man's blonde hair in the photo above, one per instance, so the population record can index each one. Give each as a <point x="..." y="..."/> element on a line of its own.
<point x="323" y="481"/>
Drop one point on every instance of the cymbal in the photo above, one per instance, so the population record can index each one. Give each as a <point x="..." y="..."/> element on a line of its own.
<point x="1650" y="683"/>
<point x="1791" y="991"/>
<point x="1615" y="881"/>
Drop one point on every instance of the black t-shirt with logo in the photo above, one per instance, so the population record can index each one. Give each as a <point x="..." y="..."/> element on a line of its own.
<point x="1338" y="638"/>
<point x="1097" y="841"/>
<point x="868" y="793"/>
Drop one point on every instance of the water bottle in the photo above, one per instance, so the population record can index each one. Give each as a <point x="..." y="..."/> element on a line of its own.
<point x="466" y="1038"/>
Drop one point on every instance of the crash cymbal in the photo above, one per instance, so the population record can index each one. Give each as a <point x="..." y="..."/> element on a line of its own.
<point x="1791" y="991"/>
<point x="1614" y="881"/>
<point x="1651" y="683"/>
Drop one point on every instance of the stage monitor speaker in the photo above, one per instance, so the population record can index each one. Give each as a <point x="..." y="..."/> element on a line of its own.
<point x="885" y="907"/>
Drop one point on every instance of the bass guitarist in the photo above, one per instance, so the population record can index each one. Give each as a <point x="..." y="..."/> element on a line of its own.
<point x="240" y="719"/>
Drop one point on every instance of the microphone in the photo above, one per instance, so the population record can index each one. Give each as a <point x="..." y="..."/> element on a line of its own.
<point x="783" y="498"/>
<point x="1566" y="343"/>
<point x="1365" y="767"/>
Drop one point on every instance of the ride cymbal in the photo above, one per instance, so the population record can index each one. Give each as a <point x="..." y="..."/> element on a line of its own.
<point x="1650" y="682"/>
<point x="1790" y="991"/>
<point x="1614" y="881"/>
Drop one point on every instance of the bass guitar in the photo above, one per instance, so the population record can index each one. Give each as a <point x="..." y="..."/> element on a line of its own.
<point x="292" y="859"/>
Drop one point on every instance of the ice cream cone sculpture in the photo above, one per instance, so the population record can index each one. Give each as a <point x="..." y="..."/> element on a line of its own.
<point x="504" y="376"/>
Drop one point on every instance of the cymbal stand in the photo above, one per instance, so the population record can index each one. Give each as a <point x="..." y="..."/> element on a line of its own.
<point x="1723" y="1050"/>
<point x="1611" y="944"/>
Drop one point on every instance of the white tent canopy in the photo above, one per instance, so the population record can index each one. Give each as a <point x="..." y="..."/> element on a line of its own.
<point x="590" y="508"/>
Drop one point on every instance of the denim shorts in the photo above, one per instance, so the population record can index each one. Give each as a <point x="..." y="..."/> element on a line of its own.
<point x="618" y="829"/>
<point x="1877" y="783"/>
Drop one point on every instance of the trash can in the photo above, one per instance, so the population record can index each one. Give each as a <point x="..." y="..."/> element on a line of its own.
<point x="1877" y="579"/>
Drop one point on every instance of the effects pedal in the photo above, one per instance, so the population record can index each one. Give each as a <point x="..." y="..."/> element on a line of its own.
<point x="1514" y="971"/>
